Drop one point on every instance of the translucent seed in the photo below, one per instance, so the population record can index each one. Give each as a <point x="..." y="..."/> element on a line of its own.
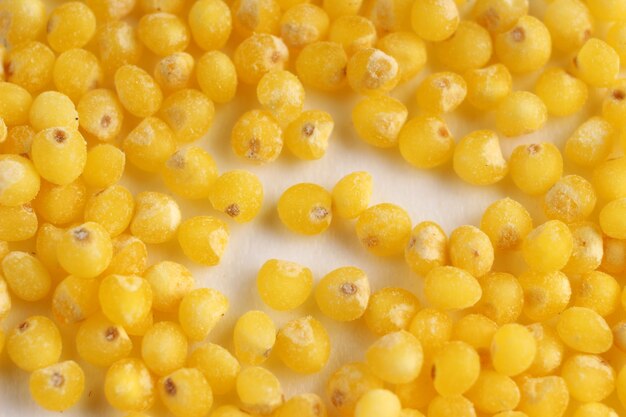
<point x="170" y="282"/>
<point x="259" y="390"/>
<point x="164" y="348"/>
<point x="254" y="336"/>
<point x="610" y="219"/>
<point x="128" y="385"/>
<point x="390" y="309"/>
<point x="190" y="173"/>
<point x="494" y="392"/>
<point x="15" y="103"/>
<point x="75" y="299"/>
<point x="570" y="24"/>
<point x="503" y="297"/>
<point x="441" y="92"/>
<point x="100" y="114"/>
<point x="589" y="378"/>
<point x="486" y="87"/>
<point x="70" y="25"/>
<point x="450" y="288"/>
<point x="371" y="71"/>
<point x="468" y="48"/>
<point x="308" y="135"/>
<point x="57" y="387"/>
<point x="305" y="405"/>
<point x="544" y="396"/>
<point x="478" y="158"/>
<point x="257" y="137"/>
<point x="348" y="384"/>
<point x="255" y="16"/>
<point x="498" y="15"/>
<point x="137" y="90"/>
<point x="427" y="248"/>
<point x="200" y="310"/>
<point x="548" y="247"/>
<point x="17" y="223"/>
<point x="284" y="285"/>
<point x="125" y="299"/>
<point x="23" y="20"/>
<point x="101" y="342"/>
<point x="470" y="249"/>
<point x="26" y="276"/>
<point x="409" y="51"/>
<point x="322" y="65"/>
<point x="546" y="294"/>
<point x="584" y="330"/>
<point x="303" y="24"/>
<point x="535" y="168"/>
<point x="34" y="343"/>
<point x="30" y="65"/>
<point x="513" y="349"/>
<point x="353" y="33"/>
<point x="104" y="166"/>
<point x="118" y="45"/>
<point x="210" y="24"/>
<point x="432" y="327"/>
<point x="282" y="93"/>
<point x="525" y="47"/>
<point x="258" y="55"/>
<point x="378" y="403"/>
<point x="217" y="76"/>
<point x="203" y="239"/>
<point x="378" y="120"/>
<point x="434" y="20"/>
<point x="19" y="181"/>
<point x="458" y="406"/>
<point x="163" y="33"/>
<point x="550" y="350"/>
<point x="597" y="63"/>
<point x="174" y="72"/>
<point x="130" y="256"/>
<point x="352" y="194"/>
<point x="85" y="250"/>
<point x="303" y="345"/>
<point x="588" y="248"/>
<point x="562" y="93"/>
<point x="76" y="72"/>
<point x="520" y="113"/>
<point x="343" y="294"/>
<point x="305" y="208"/>
<point x="218" y="365"/>
<point x="156" y="217"/>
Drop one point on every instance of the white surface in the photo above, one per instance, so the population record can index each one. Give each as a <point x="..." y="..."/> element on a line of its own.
<point x="427" y="195"/>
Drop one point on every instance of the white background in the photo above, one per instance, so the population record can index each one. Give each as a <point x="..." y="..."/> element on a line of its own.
<point x="427" y="195"/>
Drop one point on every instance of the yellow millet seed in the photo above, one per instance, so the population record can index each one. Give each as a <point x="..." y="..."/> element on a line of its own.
<point x="46" y="241"/>
<point x="19" y="180"/>
<point x="513" y="349"/>
<point x="259" y="391"/>
<point x="308" y="135"/>
<point x="550" y="350"/>
<point x="210" y="23"/>
<point x="284" y="285"/>
<point x="138" y="92"/>
<point x="589" y="378"/>
<point x="101" y="342"/>
<point x="218" y="365"/>
<point x="303" y="345"/>
<point x="378" y="120"/>
<point x="164" y="348"/>
<point x="26" y="276"/>
<point x="303" y="24"/>
<point x="156" y="217"/>
<point x="30" y="65"/>
<point x="597" y="63"/>
<point x="163" y="33"/>
<point x="409" y="51"/>
<point x="427" y="248"/>
<point x="106" y="11"/>
<point x="255" y="16"/>
<point x="468" y="48"/>
<point x="130" y="256"/>
<point x="174" y="72"/>
<point x="353" y="33"/>
<point x="85" y="250"/>
<point x="203" y="239"/>
<point x="118" y="44"/>
<point x="451" y="288"/>
<point x="434" y="20"/>
<point x="112" y="208"/>
<point x="75" y="299"/>
<point x="607" y="179"/>
<point x="390" y="16"/>
<point x="494" y="392"/>
<point x="254" y="336"/>
<point x="570" y="24"/>
<point x="23" y="20"/>
<point x="15" y="103"/>
<point x="70" y="25"/>
<point x="458" y="406"/>
<point x="100" y="114"/>
<point x="543" y="396"/>
<point x="170" y="282"/>
<point x="258" y="55"/>
<point x="217" y="76"/>
<point x="76" y="72"/>
<point x="507" y="223"/>
<point x="441" y="92"/>
<point x="190" y="172"/>
<point x="546" y="294"/>
<point x="478" y="159"/>
<point x="104" y="166"/>
<point x="282" y="93"/>
<point x="34" y="343"/>
<point x="57" y="387"/>
<point x="343" y="294"/>
<point x="305" y="208"/>
<point x="305" y="405"/>
<point x="536" y="167"/>
<point x="322" y="65"/>
<point x="433" y="328"/>
<point x="257" y="137"/>
<point x="455" y="368"/>
<point x="199" y="312"/>
<point x="588" y="248"/>
<point x="571" y="199"/>
<point x="616" y="37"/>
<point x="614" y="105"/>
<point x="53" y="109"/>
<point x="584" y="330"/>
<point x="352" y="194"/>
<point x="503" y="297"/>
<point x="17" y="223"/>
<point x="189" y="113"/>
<point x="396" y="357"/>
<point x="470" y="249"/>
<point x="384" y="229"/>
<point x="129" y="386"/>
<point x="477" y="331"/>
<point x="591" y="142"/>
<point x="348" y="384"/>
<point x="378" y="403"/>
<point x="548" y="247"/>
<point x="562" y="93"/>
<point x="125" y="299"/>
<point x="520" y="113"/>
<point x="499" y="15"/>
<point x="371" y="71"/>
<point x="526" y="47"/>
<point x="488" y="86"/>
<point x="390" y="310"/>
